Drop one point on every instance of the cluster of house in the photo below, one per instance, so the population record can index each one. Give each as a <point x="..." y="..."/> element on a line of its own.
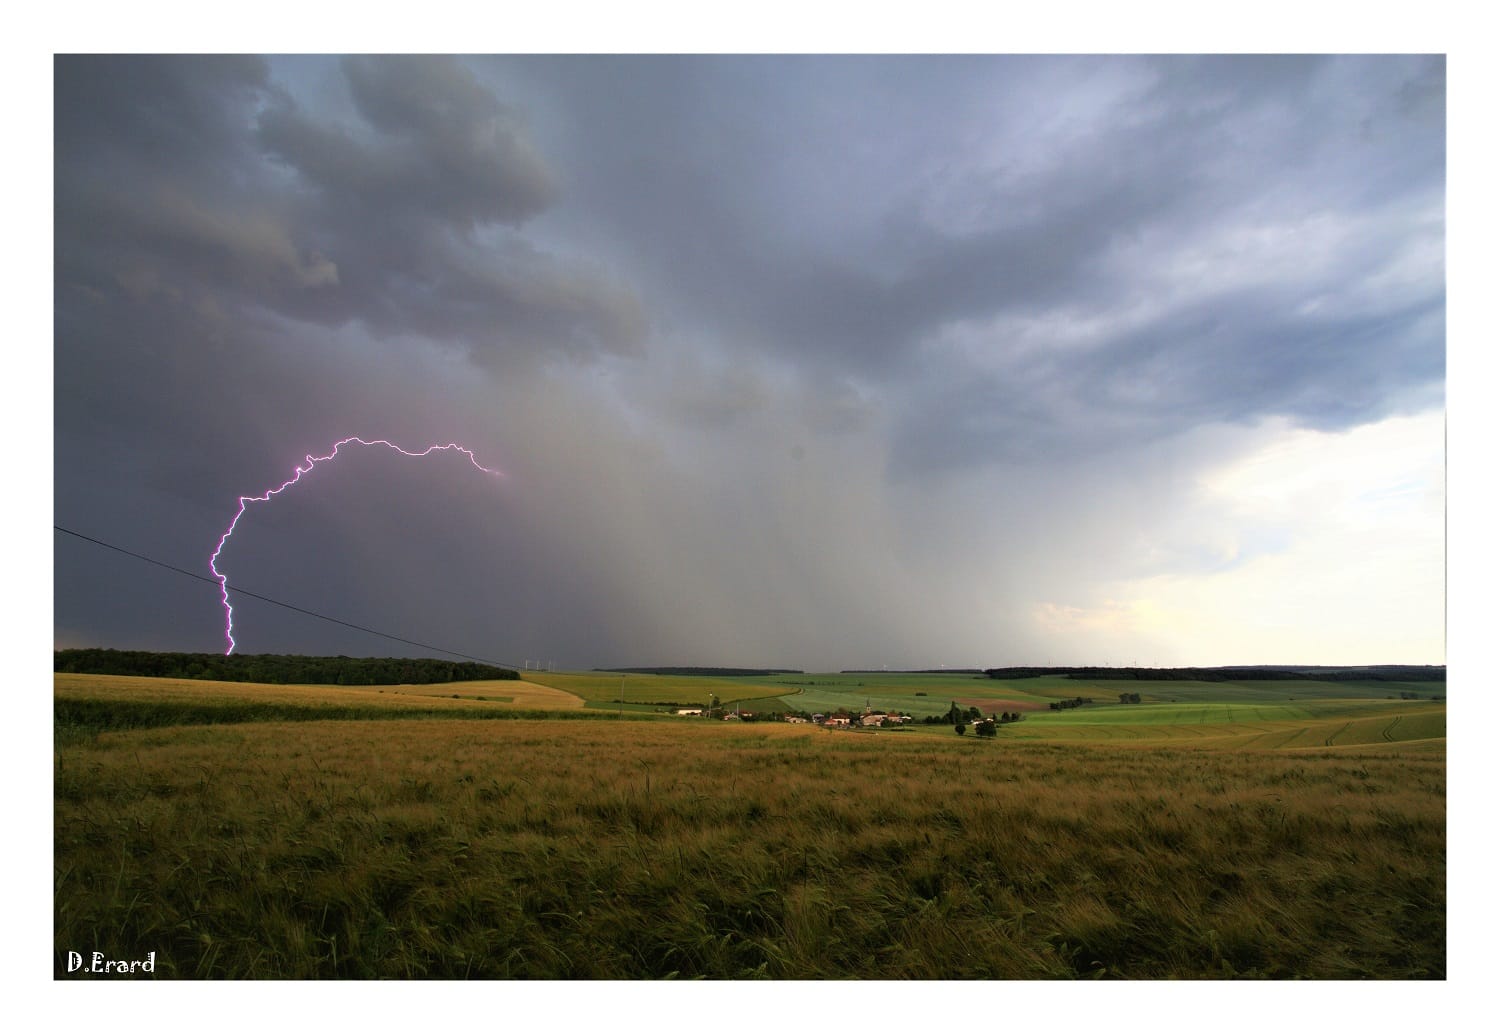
<point x="870" y="719"/>
<point x="867" y="720"/>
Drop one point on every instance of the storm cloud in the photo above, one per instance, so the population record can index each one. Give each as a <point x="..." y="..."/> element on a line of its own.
<point x="805" y="361"/>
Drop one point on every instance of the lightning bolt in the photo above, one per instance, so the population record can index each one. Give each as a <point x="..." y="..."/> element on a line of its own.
<point x="303" y="468"/>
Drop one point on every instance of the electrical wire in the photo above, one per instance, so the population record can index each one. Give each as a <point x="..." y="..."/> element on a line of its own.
<point x="278" y="603"/>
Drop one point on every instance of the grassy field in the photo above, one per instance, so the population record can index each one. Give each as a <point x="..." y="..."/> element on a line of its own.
<point x="922" y="694"/>
<point x="604" y="688"/>
<point x="87" y="705"/>
<point x="413" y="839"/>
<point x="127" y="688"/>
<point x="1249" y="726"/>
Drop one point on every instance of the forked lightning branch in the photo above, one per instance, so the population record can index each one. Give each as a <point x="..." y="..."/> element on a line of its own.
<point x="309" y="463"/>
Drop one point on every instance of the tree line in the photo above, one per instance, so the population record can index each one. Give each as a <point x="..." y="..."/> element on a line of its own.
<point x="1367" y="673"/>
<point x="280" y="669"/>
<point x="961" y="719"/>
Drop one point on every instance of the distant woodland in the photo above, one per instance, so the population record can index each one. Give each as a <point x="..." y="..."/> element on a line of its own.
<point x="1366" y="673"/>
<point x="276" y="668"/>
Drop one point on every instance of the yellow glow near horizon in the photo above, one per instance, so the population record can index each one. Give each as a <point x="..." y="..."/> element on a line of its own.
<point x="1334" y="551"/>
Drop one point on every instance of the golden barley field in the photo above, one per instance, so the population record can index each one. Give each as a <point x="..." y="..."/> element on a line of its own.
<point x="133" y="689"/>
<point x="387" y="846"/>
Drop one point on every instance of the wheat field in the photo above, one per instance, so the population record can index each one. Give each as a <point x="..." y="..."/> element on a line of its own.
<point x="432" y="847"/>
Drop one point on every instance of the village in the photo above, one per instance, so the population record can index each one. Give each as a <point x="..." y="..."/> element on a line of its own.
<point x="838" y="720"/>
<point x="959" y="718"/>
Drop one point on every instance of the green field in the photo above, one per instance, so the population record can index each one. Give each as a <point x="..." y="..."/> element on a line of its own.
<point x="603" y="688"/>
<point x="1323" y="723"/>
<point x="1251" y="714"/>
<point x="244" y="831"/>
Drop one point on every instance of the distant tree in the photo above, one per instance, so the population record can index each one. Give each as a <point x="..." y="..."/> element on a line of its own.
<point x="959" y="727"/>
<point x="985" y="728"/>
<point x="275" y="668"/>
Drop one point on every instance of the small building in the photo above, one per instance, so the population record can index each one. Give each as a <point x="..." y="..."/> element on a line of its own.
<point x="694" y="711"/>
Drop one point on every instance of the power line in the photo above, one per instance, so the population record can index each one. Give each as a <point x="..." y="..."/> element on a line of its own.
<point x="278" y="603"/>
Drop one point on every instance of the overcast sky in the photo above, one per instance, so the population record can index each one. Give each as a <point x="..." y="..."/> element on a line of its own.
<point x="795" y="361"/>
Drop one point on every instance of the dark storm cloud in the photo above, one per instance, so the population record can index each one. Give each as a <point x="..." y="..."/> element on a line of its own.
<point x="123" y="115"/>
<point x="147" y="152"/>
<point x="960" y="191"/>
<point x="1229" y="363"/>
<point x="223" y="305"/>
<point x="432" y="147"/>
<point x="404" y="221"/>
<point x="726" y="321"/>
<point x="402" y="208"/>
<point x="456" y="151"/>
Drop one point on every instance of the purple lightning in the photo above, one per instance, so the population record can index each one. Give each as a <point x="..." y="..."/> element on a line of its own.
<point x="312" y="461"/>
